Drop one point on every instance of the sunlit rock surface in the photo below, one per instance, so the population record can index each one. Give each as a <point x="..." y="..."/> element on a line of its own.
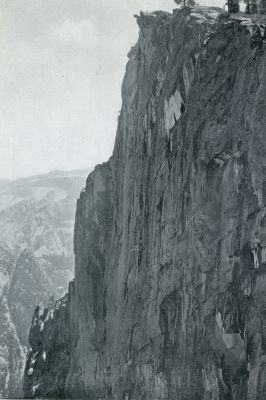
<point x="169" y="296"/>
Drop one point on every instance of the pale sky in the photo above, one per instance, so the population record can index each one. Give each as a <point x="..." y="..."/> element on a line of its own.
<point x="62" y="63"/>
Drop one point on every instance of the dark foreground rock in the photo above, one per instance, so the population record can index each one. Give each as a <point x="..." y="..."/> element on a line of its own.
<point x="169" y="297"/>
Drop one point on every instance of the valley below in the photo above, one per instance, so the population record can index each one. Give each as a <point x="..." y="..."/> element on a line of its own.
<point x="36" y="260"/>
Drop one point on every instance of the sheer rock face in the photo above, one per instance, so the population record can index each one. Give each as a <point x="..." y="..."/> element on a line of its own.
<point x="169" y="297"/>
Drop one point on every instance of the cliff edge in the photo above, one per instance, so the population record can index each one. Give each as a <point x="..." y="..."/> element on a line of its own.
<point x="169" y="296"/>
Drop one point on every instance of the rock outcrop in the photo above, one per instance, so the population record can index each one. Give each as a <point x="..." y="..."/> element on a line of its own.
<point x="169" y="296"/>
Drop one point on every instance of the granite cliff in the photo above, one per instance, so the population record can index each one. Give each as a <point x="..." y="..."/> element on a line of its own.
<point x="169" y="295"/>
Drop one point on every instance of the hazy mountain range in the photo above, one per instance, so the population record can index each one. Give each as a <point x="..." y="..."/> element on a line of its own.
<point x="36" y="259"/>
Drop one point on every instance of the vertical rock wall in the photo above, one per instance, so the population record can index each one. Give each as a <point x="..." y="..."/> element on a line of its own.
<point x="169" y="296"/>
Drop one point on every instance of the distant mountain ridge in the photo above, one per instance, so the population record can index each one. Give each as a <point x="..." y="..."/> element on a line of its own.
<point x="36" y="259"/>
<point x="38" y="187"/>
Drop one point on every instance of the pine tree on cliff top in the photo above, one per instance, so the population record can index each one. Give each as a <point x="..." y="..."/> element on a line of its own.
<point x="185" y="2"/>
<point x="251" y="7"/>
<point x="262" y="6"/>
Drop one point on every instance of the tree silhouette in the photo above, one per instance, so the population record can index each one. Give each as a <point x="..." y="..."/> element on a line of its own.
<point x="251" y="6"/>
<point x="233" y="6"/>
<point x="262" y="7"/>
<point x="185" y="2"/>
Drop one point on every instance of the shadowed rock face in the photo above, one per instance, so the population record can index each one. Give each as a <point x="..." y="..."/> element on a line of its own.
<point x="169" y="297"/>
